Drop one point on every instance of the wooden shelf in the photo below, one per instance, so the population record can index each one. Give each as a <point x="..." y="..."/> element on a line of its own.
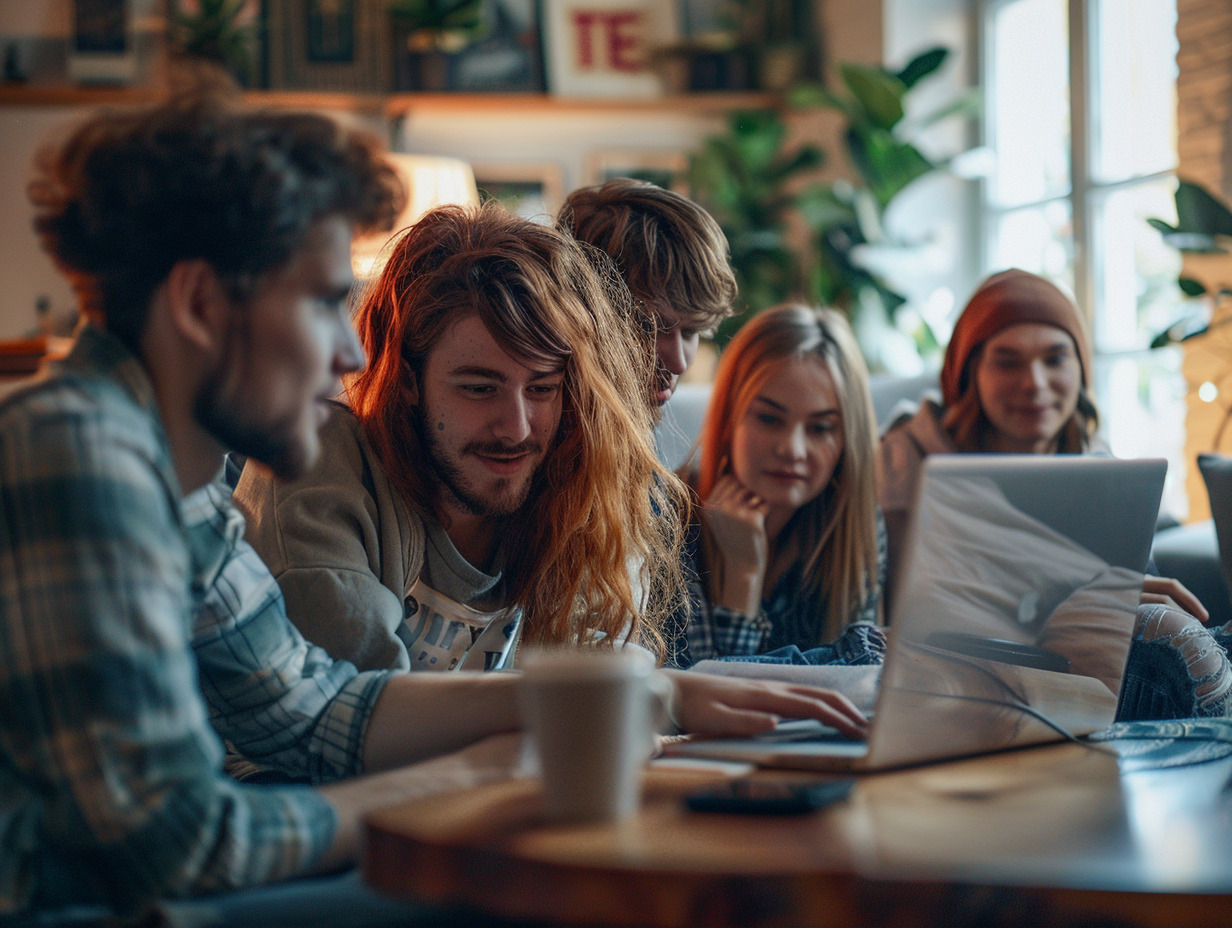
<point x="401" y="104"/>
<point x="70" y="95"/>
<point x="537" y="103"/>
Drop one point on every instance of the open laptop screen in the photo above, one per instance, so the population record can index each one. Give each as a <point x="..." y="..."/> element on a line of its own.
<point x="1016" y="603"/>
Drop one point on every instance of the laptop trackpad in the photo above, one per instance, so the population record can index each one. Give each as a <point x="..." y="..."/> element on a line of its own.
<point x="804" y="731"/>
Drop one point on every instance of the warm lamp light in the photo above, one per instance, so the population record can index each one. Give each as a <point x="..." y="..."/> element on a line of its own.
<point x="430" y="181"/>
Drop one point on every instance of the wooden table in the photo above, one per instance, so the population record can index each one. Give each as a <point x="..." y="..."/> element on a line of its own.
<point x="1053" y="835"/>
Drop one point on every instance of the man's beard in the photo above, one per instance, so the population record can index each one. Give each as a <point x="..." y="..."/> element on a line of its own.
<point x="223" y="418"/>
<point x="450" y="474"/>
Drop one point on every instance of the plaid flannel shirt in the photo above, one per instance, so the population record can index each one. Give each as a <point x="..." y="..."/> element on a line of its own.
<point x="279" y="702"/>
<point x="110" y="772"/>
<point x="787" y="617"/>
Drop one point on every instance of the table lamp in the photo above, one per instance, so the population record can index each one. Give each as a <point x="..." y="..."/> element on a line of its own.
<point x="430" y="181"/>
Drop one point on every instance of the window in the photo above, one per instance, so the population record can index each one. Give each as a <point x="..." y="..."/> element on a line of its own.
<point x="1081" y="114"/>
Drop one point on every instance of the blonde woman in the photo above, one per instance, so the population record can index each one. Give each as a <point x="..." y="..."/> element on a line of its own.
<point x="786" y="548"/>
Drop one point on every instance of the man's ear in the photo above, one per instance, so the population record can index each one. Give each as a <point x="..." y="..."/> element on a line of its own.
<point x="198" y="303"/>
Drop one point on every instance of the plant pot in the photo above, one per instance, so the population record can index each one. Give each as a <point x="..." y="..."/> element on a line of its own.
<point x="779" y="66"/>
<point x="428" y="71"/>
<point x="418" y="64"/>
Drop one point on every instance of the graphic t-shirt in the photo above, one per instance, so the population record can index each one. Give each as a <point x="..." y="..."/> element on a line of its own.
<point x="453" y="617"/>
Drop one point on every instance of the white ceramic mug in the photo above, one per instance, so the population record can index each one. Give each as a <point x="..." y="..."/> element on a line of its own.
<point x="592" y="716"/>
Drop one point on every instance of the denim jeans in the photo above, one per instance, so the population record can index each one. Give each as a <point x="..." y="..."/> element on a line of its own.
<point x="1177" y="669"/>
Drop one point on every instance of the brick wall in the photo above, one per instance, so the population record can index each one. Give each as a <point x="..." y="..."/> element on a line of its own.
<point x="1204" y="147"/>
<point x="1204" y="92"/>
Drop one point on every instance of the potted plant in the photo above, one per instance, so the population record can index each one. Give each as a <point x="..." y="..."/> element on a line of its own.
<point x="1203" y="227"/>
<point x="757" y="188"/>
<point x="217" y="32"/>
<point x="426" y="33"/>
<point x="779" y="40"/>
<point x="847" y="217"/>
<point x="745" y="178"/>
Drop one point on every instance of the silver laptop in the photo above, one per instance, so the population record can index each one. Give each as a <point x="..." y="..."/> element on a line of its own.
<point x="1012" y="618"/>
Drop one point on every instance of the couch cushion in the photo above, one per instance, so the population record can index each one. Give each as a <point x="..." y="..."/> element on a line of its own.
<point x="1190" y="554"/>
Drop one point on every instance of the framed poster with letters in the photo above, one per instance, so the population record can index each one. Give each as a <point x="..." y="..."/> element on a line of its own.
<point x="605" y="48"/>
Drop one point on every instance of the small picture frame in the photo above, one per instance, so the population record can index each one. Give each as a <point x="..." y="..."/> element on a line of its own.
<point x="532" y="190"/>
<point x="606" y="48"/>
<point x="337" y="46"/>
<point x="330" y="31"/>
<point x="668" y="168"/>
<point x="101" y="48"/>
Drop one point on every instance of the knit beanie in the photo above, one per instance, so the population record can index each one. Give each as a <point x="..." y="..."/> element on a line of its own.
<point x="1003" y="300"/>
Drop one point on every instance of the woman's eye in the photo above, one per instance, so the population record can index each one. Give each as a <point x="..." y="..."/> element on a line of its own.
<point x="766" y="419"/>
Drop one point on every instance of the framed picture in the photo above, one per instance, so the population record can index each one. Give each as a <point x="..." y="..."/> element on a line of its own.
<point x="101" y="50"/>
<point x="330" y="27"/>
<point x="667" y="168"/>
<point x="509" y="57"/>
<point x="531" y="190"/>
<point x="341" y="46"/>
<point x="605" y="48"/>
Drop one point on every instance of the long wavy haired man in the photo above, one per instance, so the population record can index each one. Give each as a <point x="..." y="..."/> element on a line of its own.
<point x="495" y="452"/>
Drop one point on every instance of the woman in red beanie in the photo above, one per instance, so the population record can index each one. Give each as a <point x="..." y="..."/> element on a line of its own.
<point x="1015" y="380"/>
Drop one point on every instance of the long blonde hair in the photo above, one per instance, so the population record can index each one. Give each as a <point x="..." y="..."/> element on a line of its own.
<point x="596" y="505"/>
<point x="836" y="533"/>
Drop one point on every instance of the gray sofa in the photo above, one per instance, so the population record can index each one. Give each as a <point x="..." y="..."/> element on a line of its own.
<point x="683" y="414"/>
<point x="1200" y="554"/>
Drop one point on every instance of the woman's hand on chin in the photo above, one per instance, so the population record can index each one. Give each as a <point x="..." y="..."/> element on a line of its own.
<point x="735" y="518"/>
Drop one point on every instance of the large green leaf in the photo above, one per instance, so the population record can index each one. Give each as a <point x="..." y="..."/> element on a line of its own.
<point x="886" y="164"/>
<point x="922" y="65"/>
<point x="879" y="93"/>
<point x="811" y="94"/>
<point x="1198" y="211"/>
